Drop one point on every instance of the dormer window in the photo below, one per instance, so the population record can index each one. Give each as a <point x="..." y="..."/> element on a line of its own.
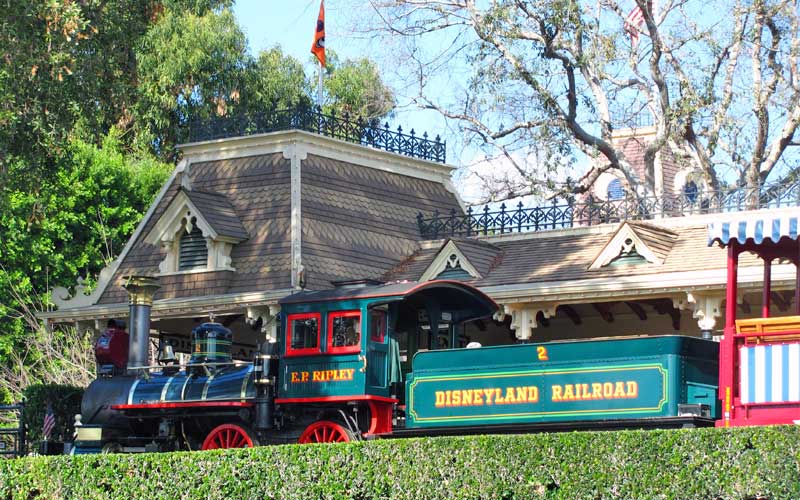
<point x="193" y="250"/>
<point x="198" y="231"/>
<point x="627" y="255"/>
<point x="635" y="243"/>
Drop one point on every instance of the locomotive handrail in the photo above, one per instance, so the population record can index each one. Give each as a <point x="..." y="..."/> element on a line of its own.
<point x="186" y="365"/>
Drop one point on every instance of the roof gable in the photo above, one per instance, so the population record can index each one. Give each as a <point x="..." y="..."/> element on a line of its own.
<point x="212" y="213"/>
<point x="473" y="257"/>
<point x="652" y="243"/>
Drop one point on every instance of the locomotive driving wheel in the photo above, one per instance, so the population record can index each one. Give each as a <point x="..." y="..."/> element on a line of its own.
<point x="229" y="436"/>
<point x="326" y="431"/>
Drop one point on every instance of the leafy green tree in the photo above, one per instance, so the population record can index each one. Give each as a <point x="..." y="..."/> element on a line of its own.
<point x="277" y="81"/>
<point x="72" y="224"/>
<point x="94" y="97"/>
<point x="355" y="87"/>
<point x="551" y="78"/>
<point x="190" y="67"/>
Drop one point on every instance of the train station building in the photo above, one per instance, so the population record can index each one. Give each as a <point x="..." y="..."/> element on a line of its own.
<point x="249" y="218"/>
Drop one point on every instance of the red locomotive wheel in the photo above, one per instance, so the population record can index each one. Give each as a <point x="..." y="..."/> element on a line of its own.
<point x="228" y="436"/>
<point x="325" y="431"/>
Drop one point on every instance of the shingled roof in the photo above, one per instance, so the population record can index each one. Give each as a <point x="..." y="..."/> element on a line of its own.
<point x="565" y="255"/>
<point x="219" y="212"/>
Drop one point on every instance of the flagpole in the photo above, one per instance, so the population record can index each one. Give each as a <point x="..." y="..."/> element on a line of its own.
<point x="319" y="86"/>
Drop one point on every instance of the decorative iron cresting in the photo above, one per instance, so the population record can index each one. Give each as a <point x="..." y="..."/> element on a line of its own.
<point x="560" y="214"/>
<point x="345" y="127"/>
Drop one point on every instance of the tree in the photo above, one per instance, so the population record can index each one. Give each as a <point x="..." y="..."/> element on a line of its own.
<point x="190" y="67"/>
<point x="355" y="87"/>
<point x="549" y="78"/>
<point x="73" y="225"/>
<point x="94" y="97"/>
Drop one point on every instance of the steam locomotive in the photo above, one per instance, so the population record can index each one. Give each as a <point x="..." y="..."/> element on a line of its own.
<point x="336" y="371"/>
<point x="336" y="374"/>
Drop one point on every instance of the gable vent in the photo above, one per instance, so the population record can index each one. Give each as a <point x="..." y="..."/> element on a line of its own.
<point x="193" y="250"/>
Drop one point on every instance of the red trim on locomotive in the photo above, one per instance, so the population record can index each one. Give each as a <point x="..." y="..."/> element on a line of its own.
<point x="305" y="351"/>
<point x="347" y="349"/>
<point x="336" y="399"/>
<point x="380" y="418"/>
<point x="377" y="318"/>
<point x="182" y="404"/>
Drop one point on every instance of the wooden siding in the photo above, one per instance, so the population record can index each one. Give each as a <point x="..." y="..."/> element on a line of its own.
<point x="360" y="222"/>
<point x="258" y="190"/>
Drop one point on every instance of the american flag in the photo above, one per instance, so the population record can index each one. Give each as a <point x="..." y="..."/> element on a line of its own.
<point x="49" y="422"/>
<point x="632" y="23"/>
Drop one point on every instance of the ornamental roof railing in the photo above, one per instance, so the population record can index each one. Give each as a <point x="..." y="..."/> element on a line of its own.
<point x="561" y="214"/>
<point x="345" y="127"/>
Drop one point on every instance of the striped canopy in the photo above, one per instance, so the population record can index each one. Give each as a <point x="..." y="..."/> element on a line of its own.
<point x="758" y="226"/>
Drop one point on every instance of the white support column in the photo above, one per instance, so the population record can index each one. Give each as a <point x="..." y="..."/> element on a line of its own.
<point x="269" y="320"/>
<point x="296" y="153"/>
<point x="705" y="307"/>
<point x="523" y="316"/>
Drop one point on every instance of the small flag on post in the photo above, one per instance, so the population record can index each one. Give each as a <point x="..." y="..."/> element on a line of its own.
<point x="632" y="23"/>
<point x="49" y="422"/>
<point x="318" y="47"/>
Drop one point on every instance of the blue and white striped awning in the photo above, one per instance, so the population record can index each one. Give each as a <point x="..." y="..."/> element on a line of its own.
<point x="758" y="226"/>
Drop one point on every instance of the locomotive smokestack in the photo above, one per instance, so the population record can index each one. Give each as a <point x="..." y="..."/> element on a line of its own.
<point x="141" y="290"/>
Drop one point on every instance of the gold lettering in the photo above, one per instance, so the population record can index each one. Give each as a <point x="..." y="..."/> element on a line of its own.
<point x="456" y="398"/>
<point x="466" y="398"/>
<point x="597" y="390"/>
<point x="488" y="394"/>
<point x="498" y="397"/>
<point x="619" y="390"/>
<point x="608" y="390"/>
<point x="439" y="399"/>
<point x="303" y="376"/>
<point x="510" y="399"/>
<point x="477" y="397"/>
<point x="569" y="395"/>
<point x="295" y="378"/>
<point x="633" y="389"/>
<point x="557" y="393"/>
<point x="533" y="394"/>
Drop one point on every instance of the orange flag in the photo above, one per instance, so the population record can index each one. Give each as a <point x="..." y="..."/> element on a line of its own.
<point x="318" y="48"/>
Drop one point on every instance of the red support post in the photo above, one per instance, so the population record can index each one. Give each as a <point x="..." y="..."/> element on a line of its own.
<point x="730" y="296"/>
<point x="765" y="298"/>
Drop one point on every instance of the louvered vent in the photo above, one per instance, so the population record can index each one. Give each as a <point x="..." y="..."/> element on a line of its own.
<point x="194" y="251"/>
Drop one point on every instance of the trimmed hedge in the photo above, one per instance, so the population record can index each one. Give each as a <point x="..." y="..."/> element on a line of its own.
<point x="744" y="463"/>
<point x="66" y="401"/>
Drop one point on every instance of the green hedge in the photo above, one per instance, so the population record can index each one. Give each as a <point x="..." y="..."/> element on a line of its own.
<point x="66" y="401"/>
<point x="745" y="463"/>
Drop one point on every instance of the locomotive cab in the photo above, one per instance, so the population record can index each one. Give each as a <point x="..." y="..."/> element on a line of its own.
<point x="355" y="343"/>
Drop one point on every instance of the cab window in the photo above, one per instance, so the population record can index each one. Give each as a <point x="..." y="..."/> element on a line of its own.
<point x="344" y="332"/>
<point x="377" y="325"/>
<point x="303" y="334"/>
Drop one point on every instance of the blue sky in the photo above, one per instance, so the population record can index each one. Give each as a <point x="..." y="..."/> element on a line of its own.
<point x="291" y="25"/>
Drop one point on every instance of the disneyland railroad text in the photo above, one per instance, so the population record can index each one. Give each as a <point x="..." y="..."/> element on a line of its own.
<point x="322" y="376"/>
<point x="595" y="390"/>
<point x="493" y="396"/>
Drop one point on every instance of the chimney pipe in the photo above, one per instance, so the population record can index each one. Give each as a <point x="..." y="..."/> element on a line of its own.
<point x="141" y="290"/>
